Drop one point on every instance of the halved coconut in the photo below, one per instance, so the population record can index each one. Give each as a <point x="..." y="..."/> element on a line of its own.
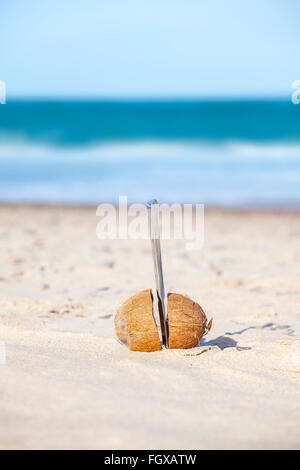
<point x="135" y="324"/>
<point x="187" y="322"/>
<point x="136" y="327"/>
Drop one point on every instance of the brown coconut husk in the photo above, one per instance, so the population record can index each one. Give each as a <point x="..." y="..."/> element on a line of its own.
<point x="136" y="327"/>
<point x="135" y="324"/>
<point x="187" y="322"/>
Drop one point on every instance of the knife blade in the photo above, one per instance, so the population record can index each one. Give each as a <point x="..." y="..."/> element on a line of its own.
<point x="154" y="229"/>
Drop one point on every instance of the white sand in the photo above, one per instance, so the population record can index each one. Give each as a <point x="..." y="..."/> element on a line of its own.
<point x="68" y="383"/>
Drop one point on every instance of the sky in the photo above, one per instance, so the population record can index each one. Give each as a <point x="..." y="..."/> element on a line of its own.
<point x="149" y="48"/>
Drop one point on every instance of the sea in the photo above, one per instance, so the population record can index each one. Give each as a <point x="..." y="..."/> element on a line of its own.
<point x="241" y="153"/>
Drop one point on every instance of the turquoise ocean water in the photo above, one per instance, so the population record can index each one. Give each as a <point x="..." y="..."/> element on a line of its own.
<point x="224" y="153"/>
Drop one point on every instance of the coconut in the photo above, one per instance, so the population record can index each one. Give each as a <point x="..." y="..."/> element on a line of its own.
<point x="136" y="327"/>
<point x="135" y="324"/>
<point x="187" y="322"/>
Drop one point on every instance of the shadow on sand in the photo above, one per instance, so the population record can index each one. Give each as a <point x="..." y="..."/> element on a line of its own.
<point x="226" y="341"/>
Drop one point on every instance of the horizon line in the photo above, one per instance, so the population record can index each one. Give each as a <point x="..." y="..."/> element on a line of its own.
<point x="182" y="98"/>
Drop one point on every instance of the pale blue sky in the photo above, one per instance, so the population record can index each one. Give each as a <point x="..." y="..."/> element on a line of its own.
<point x="149" y="48"/>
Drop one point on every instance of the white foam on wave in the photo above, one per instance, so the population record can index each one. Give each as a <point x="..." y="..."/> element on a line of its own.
<point x="130" y="150"/>
<point x="231" y="173"/>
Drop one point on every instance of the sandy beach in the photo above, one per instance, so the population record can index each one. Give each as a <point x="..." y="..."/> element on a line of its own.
<point x="67" y="381"/>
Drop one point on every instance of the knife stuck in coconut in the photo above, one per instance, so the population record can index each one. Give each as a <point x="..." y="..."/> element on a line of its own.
<point x="180" y="326"/>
